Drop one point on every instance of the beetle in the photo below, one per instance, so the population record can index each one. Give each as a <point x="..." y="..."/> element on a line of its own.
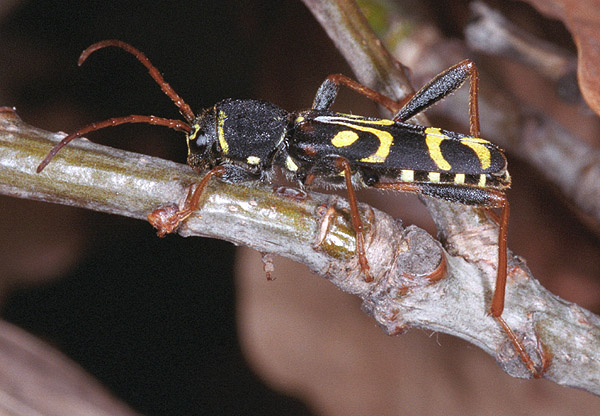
<point x="242" y="140"/>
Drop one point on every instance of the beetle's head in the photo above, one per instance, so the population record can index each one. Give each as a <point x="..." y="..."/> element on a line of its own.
<point x="203" y="144"/>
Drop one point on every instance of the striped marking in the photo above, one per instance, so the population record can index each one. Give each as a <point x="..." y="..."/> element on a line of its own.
<point x="441" y="178"/>
<point x="482" y="180"/>
<point x="385" y="142"/>
<point x="482" y="152"/>
<point x="221" y="132"/>
<point x="385" y="138"/>
<point x="290" y="164"/>
<point x="433" y="138"/>
<point x="354" y="119"/>
<point x="195" y="130"/>
<point x="281" y="138"/>
<point x="192" y="136"/>
<point x="344" y="138"/>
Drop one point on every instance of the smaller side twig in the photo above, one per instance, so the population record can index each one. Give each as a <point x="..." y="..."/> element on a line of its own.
<point x="492" y="34"/>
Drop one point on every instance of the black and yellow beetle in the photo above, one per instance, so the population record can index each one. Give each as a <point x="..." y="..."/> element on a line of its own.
<point x="243" y="140"/>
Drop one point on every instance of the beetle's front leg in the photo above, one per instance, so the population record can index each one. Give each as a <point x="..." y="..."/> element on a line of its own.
<point x="166" y="219"/>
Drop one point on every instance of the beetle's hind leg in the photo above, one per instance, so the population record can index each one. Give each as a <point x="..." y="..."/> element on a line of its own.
<point x="491" y="199"/>
<point x="442" y="86"/>
<point x="342" y="166"/>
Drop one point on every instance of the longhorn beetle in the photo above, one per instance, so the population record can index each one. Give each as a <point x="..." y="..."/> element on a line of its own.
<point x="242" y="140"/>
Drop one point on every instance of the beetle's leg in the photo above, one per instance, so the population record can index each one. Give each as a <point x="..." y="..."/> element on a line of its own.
<point x="499" y="292"/>
<point x="329" y="89"/>
<point x="310" y="178"/>
<point x="520" y="348"/>
<point x="327" y="218"/>
<point x="166" y="219"/>
<point x="440" y="87"/>
<point x="344" y="165"/>
<point x="495" y="199"/>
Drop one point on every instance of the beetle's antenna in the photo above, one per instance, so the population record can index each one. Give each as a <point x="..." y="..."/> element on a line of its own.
<point x="184" y="109"/>
<point x="178" y="125"/>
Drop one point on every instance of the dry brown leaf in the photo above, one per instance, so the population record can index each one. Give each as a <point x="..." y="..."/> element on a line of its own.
<point x="582" y="19"/>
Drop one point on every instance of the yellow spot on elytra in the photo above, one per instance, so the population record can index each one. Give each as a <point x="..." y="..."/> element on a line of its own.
<point x="385" y="142"/>
<point x="253" y="160"/>
<point x="407" y="175"/>
<point x="459" y="178"/>
<point x="299" y="119"/>
<point x="344" y="138"/>
<point x="434" y="177"/>
<point x="433" y="138"/>
<point x="221" y="132"/>
<point x="482" y="152"/>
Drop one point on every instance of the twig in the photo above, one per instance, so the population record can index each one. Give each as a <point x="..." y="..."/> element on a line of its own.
<point x="105" y="179"/>
<point x="492" y="34"/>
